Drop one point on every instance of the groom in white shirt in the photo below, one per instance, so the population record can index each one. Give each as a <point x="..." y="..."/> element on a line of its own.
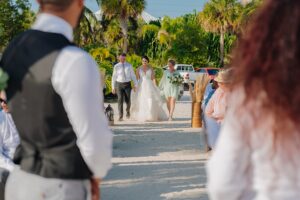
<point x="122" y="76"/>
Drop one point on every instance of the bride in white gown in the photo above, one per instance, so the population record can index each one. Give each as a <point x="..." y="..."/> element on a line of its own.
<point x="147" y="104"/>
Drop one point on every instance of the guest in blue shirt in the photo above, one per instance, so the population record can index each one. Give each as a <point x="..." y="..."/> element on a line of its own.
<point x="210" y="125"/>
<point x="209" y="91"/>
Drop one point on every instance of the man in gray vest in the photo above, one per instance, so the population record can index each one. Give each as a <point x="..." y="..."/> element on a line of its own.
<point x="55" y="100"/>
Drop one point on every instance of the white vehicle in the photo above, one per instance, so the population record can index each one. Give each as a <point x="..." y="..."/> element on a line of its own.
<point x="187" y="72"/>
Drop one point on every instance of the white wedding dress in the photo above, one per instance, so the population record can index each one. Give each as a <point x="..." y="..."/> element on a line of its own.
<point x="146" y="102"/>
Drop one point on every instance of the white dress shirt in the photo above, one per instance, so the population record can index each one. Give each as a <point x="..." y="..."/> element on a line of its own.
<point x="123" y="72"/>
<point x="9" y="140"/>
<point x="246" y="165"/>
<point x="75" y="77"/>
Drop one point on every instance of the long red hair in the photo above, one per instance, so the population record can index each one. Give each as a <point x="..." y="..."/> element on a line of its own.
<point x="267" y="60"/>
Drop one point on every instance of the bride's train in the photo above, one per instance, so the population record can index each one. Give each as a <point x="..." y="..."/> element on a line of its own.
<point x="146" y="102"/>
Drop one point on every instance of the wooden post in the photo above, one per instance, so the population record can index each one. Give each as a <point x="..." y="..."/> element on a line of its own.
<point x="197" y="97"/>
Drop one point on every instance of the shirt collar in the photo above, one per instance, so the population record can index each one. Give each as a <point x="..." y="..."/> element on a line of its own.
<point x="53" y="24"/>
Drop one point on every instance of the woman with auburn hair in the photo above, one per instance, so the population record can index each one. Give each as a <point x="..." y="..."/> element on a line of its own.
<point x="257" y="154"/>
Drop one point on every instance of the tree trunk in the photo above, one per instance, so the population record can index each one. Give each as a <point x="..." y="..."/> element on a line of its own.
<point x="222" y="35"/>
<point x="124" y="27"/>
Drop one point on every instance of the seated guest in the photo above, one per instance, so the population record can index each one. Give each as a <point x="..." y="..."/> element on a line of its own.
<point x="217" y="105"/>
<point x="209" y="124"/>
<point x="209" y="91"/>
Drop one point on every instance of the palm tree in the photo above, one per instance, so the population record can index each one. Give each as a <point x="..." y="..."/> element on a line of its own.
<point x="113" y="35"/>
<point x="88" y="29"/>
<point x="122" y="10"/>
<point x="221" y="17"/>
<point x="250" y="8"/>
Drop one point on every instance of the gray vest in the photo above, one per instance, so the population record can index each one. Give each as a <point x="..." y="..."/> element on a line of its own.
<point x="48" y="143"/>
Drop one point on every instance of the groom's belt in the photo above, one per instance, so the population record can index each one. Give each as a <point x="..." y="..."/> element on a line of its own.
<point x="124" y="83"/>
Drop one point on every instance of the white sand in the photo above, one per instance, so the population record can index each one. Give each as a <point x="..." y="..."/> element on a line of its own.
<point x="161" y="160"/>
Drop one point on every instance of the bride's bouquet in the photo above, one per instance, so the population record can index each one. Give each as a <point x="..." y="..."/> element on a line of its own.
<point x="176" y="79"/>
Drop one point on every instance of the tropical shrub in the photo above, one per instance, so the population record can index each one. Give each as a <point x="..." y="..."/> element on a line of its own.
<point x="135" y="60"/>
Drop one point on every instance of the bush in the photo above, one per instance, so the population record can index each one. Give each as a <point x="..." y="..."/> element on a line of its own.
<point x="104" y="59"/>
<point x="158" y="73"/>
<point x="135" y="60"/>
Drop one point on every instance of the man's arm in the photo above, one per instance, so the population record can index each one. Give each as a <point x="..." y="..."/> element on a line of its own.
<point x="76" y="79"/>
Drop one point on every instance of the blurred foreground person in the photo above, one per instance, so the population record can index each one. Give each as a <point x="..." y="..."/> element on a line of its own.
<point x="54" y="95"/>
<point x="257" y="154"/>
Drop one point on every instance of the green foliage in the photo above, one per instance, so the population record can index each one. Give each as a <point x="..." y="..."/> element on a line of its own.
<point x="189" y="45"/>
<point x="107" y="68"/>
<point x="102" y="54"/>
<point x="113" y="35"/>
<point x="202" y="39"/>
<point x="108" y="84"/>
<point x="15" y="18"/>
<point x="184" y="39"/>
<point x="250" y="9"/>
<point x="89" y="30"/>
<point x="158" y="73"/>
<point x="3" y="79"/>
<point x="121" y="8"/>
<point x="135" y="60"/>
<point x="104" y="59"/>
<point x="221" y="17"/>
<point x="125" y="11"/>
<point x="149" y="44"/>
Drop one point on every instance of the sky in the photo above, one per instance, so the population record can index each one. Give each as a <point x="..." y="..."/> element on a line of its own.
<point x="157" y="8"/>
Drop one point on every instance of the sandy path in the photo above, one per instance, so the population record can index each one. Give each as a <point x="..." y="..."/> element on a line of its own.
<point x="157" y="161"/>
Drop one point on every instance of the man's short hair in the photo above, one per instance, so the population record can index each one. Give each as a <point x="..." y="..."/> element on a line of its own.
<point x="172" y="62"/>
<point x="123" y="54"/>
<point x="59" y="4"/>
